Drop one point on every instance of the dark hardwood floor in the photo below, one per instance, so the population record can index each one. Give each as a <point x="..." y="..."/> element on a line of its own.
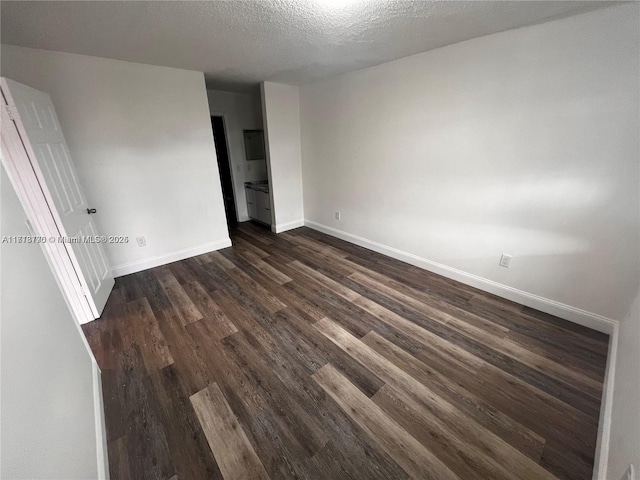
<point x="303" y="356"/>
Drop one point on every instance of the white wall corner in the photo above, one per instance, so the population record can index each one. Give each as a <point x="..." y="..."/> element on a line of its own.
<point x="144" y="264"/>
<point x="101" y="429"/>
<point x="606" y="410"/>
<point x="282" y="134"/>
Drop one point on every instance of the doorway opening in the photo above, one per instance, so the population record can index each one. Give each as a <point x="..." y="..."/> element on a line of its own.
<point x="224" y="167"/>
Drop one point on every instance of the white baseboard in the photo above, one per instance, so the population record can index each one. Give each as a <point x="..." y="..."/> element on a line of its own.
<point x="573" y="314"/>
<point x="144" y="264"/>
<point x="283" y="227"/>
<point x="606" y="411"/>
<point x="101" y="430"/>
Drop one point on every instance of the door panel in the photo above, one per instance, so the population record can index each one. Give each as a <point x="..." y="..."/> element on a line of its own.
<point x="54" y="168"/>
<point x="59" y="177"/>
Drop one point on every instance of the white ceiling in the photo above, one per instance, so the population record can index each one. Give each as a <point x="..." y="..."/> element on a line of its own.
<point x="238" y="44"/>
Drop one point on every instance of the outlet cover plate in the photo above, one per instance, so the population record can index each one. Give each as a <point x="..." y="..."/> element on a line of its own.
<point x="505" y="260"/>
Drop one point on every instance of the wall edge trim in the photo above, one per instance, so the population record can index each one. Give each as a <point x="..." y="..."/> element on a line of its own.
<point x="600" y="464"/>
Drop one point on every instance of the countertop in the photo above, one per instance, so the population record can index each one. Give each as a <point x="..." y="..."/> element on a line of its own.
<point x="260" y="186"/>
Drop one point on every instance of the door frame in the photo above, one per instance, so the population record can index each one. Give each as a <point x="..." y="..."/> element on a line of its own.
<point x="233" y="173"/>
<point x="41" y="220"/>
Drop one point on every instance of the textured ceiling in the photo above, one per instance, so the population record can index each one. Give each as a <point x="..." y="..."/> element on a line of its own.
<point x="241" y="43"/>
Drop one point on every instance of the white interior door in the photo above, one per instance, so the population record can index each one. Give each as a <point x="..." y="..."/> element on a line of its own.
<point x="46" y="148"/>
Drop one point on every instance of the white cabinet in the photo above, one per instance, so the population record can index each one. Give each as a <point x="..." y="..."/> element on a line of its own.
<point x="263" y="207"/>
<point x="258" y="205"/>
<point x="251" y="202"/>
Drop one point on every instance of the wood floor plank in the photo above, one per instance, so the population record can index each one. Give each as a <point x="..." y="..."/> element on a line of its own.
<point x="539" y="411"/>
<point x="147" y="446"/>
<point x="591" y="365"/>
<point x="520" y="465"/>
<point x="177" y="296"/>
<point x="601" y="338"/>
<point x="220" y="260"/>
<point x="243" y="243"/>
<point x="462" y="458"/>
<point x="193" y="373"/>
<point x="271" y="272"/>
<point x="317" y="246"/>
<point x="104" y="334"/>
<point x="367" y="262"/>
<point x="112" y="382"/>
<point x="341" y="290"/>
<point x="559" y="336"/>
<point x="229" y="444"/>
<point x="131" y="287"/>
<point x="321" y="261"/>
<point x="271" y="302"/>
<point x="118" y="459"/>
<point x="262" y="235"/>
<point x="219" y="324"/>
<point x="148" y="336"/>
<point x="423" y="326"/>
<point x="413" y="457"/>
<point x="283" y="458"/>
<point x="192" y="460"/>
<point x="180" y="271"/>
<point x="266" y="352"/>
<point x="456" y="356"/>
<point x="520" y="437"/>
<point x="413" y="371"/>
<point x="564" y="463"/>
<point x="497" y="342"/>
<point x="302" y="424"/>
<point x="340" y="461"/>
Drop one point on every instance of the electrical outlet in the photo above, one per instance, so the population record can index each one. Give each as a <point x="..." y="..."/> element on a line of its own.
<point x="629" y="474"/>
<point x="142" y="242"/>
<point x="505" y="260"/>
<point x="337" y="215"/>
<point x="248" y="166"/>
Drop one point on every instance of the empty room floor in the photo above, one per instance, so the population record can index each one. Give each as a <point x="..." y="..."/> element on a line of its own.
<point x="303" y="356"/>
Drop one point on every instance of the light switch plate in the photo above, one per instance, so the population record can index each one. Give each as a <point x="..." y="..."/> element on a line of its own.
<point x="505" y="260"/>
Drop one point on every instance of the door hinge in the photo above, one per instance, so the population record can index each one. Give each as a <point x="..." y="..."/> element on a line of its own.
<point x="12" y="111"/>
<point x="84" y="290"/>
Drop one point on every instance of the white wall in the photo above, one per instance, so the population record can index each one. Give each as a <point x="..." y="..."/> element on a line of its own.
<point x="281" y="113"/>
<point x="241" y="112"/>
<point x="523" y="142"/>
<point x="624" y="447"/>
<point x="141" y="139"/>
<point x="47" y="410"/>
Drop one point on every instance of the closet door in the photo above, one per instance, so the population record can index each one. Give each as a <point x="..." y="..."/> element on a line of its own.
<point x="50" y="165"/>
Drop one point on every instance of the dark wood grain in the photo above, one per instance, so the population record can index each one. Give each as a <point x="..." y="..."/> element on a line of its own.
<point x="302" y="356"/>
